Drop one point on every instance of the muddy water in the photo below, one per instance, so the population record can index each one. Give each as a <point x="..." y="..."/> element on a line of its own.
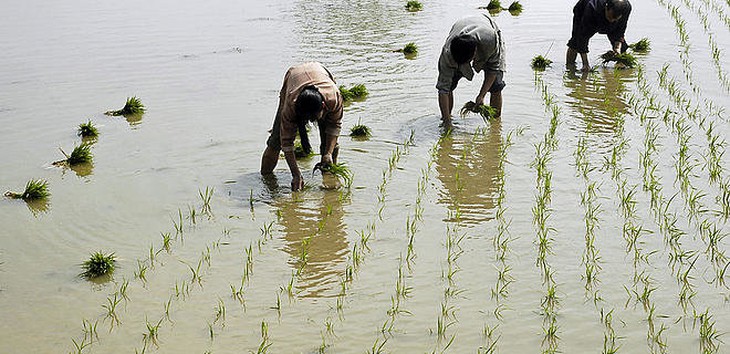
<point x="407" y="256"/>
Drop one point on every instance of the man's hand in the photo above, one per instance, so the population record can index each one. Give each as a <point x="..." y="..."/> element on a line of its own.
<point x="326" y="160"/>
<point x="297" y="183"/>
<point x="479" y="101"/>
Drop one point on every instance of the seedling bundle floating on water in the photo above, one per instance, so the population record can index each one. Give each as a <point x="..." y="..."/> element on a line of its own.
<point x="409" y="49"/>
<point x="98" y="265"/>
<point x="341" y="171"/>
<point x="34" y="190"/>
<point x="487" y="112"/>
<point x="494" y="5"/>
<point x="625" y="60"/>
<point x="515" y="7"/>
<point x="360" y="130"/>
<point x="87" y="130"/>
<point x="642" y="46"/>
<point x="357" y="92"/>
<point x="133" y="106"/>
<point x="80" y="154"/>
<point x="540" y="62"/>
<point x="414" y="5"/>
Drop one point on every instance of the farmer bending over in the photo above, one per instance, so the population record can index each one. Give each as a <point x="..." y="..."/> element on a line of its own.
<point x="608" y="17"/>
<point x="474" y="42"/>
<point x="309" y="94"/>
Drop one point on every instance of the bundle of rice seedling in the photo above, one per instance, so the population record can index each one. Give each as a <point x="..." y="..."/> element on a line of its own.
<point x="133" y="106"/>
<point x="494" y="5"/>
<point x="626" y="60"/>
<point x="360" y="130"/>
<point x="98" y="265"/>
<point x="359" y="91"/>
<point x="80" y="154"/>
<point x="346" y="94"/>
<point x="540" y="62"/>
<point x="487" y="112"/>
<point x="341" y="171"/>
<point x="642" y="46"/>
<point x="87" y="130"/>
<point x="515" y="6"/>
<point x="414" y="5"/>
<point x="34" y="190"/>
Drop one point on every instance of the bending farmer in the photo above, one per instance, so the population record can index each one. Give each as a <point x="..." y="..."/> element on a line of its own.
<point x="608" y="17"/>
<point x="309" y="94"/>
<point x="474" y="42"/>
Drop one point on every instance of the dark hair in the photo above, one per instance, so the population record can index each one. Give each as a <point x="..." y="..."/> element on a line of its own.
<point x="463" y="48"/>
<point x="308" y="104"/>
<point x="619" y="7"/>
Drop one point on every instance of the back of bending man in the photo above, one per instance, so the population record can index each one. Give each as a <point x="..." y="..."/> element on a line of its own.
<point x="474" y="44"/>
<point x="309" y="94"/>
<point x="608" y="17"/>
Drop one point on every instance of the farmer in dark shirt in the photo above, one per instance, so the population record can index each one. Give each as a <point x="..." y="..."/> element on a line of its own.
<point x="597" y="16"/>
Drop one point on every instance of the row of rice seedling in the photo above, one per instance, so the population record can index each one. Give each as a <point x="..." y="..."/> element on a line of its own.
<point x="715" y="52"/>
<point x="502" y="251"/>
<point x="680" y="26"/>
<point x="719" y="11"/>
<point x="542" y="211"/>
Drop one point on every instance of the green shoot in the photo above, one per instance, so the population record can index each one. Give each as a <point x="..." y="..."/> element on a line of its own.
<point x="360" y="130"/>
<point x="414" y="5"/>
<point x="98" y="265"/>
<point x="487" y="112"/>
<point x="642" y="46"/>
<point x="540" y="63"/>
<point x="133" y="106"/>
<point x="87" y="130"/>
<point x="34" y="190"/>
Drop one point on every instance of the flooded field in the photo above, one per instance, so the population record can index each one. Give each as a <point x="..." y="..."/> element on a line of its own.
<point x="592" y="218"/>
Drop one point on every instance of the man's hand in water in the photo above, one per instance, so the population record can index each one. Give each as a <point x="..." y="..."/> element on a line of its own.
<point x="326" y="160"/>
<point x="297" y="183"/>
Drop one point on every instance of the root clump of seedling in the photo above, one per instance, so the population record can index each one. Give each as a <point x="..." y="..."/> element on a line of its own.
<point x="80" y="154"/>
<point x="133" y="106"/>
<point x="487" y="112"/>
<point x="642" y="46"/>
<point x="540" y="62"/>
<point x="87" y="130"/>
<point x="99" y="264"/>
<point x="339" y="170"/>
<point x="34" y="190"/>
<point x="360" y="131"/>
<point x="357" y="92"/>
<point x="414" y="6"/>
<point x="624" y="60"/>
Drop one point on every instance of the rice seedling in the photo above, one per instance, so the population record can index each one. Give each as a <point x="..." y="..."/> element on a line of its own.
<point x="111" y="309"/>
<point x="540" y="63"/>
<point x="623" y="60"/>
<point x="34" y="190"/>
<point x="642" y="46"/>
<point x="360" y="130"/>
<point x="487" y="112"/>
<point x="99" y="264"/>
<point x="265" y="340"/>
<point x="80" y="154"/>
<point x="356" y="92"/>
<point x="410" y="49"/>
<point x="414" y="5"/>
<point x="205" y="197"/>
<point x="494" y="5"/>
<point x="133" y="106"/>
<point x="340" y="170"/>
<point x="515" y="7"/>
<point x="151" y="336"/>
<point x="87" y="130"/>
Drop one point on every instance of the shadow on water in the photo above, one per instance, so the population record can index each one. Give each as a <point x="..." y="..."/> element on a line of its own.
<point x="598" y="98"/>
<point x="468" y="167"/>
<point x="315" y="237"/>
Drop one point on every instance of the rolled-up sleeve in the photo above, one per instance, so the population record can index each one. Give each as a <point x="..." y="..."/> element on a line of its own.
<point x="447" y="73"/>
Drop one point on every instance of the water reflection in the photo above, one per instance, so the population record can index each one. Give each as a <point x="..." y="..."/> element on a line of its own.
<point x="598" y="98"/>
<point x="314" y="230"/>
<point x="468" y="167"/>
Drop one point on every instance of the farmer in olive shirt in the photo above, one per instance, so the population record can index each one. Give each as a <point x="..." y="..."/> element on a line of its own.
<point x="309" y="94"/>
<point x="474" y="44"/>
<point x="608" y="17"/>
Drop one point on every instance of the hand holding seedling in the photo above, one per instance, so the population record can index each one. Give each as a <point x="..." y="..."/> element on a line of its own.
<point x="297" y="183"/>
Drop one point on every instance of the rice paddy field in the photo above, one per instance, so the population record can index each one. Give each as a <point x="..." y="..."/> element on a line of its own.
<point x="592" y="218"/>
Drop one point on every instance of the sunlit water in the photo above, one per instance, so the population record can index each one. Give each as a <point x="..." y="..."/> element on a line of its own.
<point x="209" y="74"/>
